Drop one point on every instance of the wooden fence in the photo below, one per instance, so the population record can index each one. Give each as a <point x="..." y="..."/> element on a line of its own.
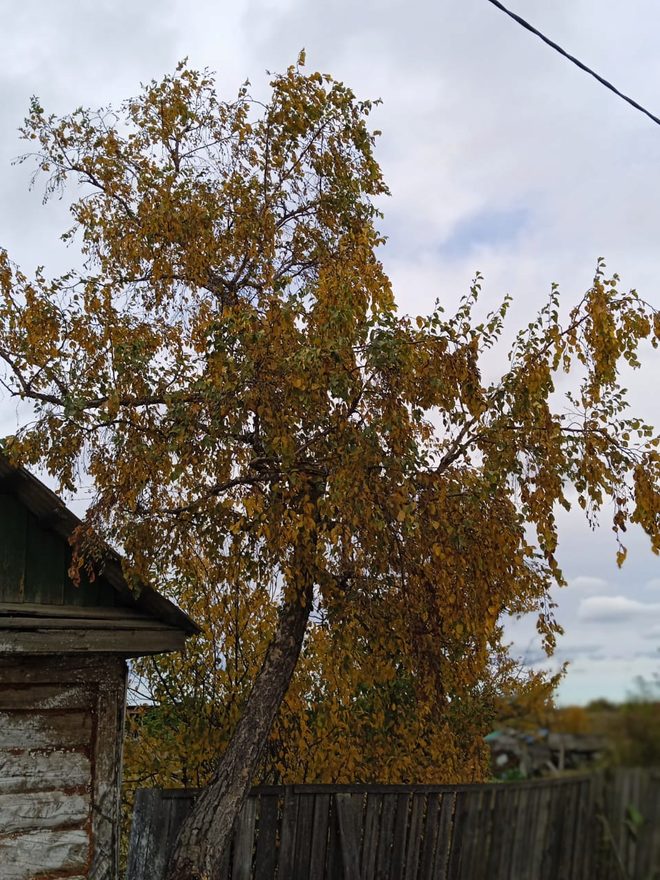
<point x="586" y="828"/>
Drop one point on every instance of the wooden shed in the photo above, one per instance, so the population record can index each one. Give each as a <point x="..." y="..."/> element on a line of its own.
<point x="63" y="651"/>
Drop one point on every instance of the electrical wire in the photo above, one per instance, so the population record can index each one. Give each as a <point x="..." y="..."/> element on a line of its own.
<point x="576" y="61"/>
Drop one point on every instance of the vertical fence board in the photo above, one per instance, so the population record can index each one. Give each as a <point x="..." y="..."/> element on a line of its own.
<point x="431" y="828"/>
<point x="415" y="836"/>
<point x="148" y="833"/>
<point x="454" y="849"/>
<point x="445" y="835"/>
<point x="371" y="828"/>
<point x="385" y="836"/>
<point x="519" y="845"/>
<point x="244" y="841"/>
<point x="400" y="835"/>
<point x="504" y="865"/>
<point x="304" y="827"/>
<point x="319" y="843"/>
<point x="335" y="862"/>
<point x="349" y="821"/>
<point x="497" y="831"/>
<point x="266" y="855"/>
<point x="288" y="835"/>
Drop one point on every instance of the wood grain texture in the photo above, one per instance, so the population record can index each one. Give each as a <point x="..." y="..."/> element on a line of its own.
<point x="244" y="841"/>
<point x="43" y="771"/>
<point x="36" y="811"/>
<point x="26" y="856"/>
<point x="30" y="697"/>
<point x="43" y="729"/>
<point x="349" y="834"/>
<point x="13" y="528"/>
<point x="39" y="638"/>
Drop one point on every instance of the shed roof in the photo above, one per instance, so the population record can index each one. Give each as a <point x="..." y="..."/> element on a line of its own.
<point x="40" y="608"/>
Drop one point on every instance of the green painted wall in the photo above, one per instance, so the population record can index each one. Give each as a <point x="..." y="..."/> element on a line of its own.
<point x="34" y="563"/>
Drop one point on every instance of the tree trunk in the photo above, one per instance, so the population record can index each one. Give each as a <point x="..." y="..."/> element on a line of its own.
<point x="207" y="831"/>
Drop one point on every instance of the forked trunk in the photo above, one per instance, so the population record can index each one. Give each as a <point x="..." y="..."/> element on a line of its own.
<point x="207" y="831"/>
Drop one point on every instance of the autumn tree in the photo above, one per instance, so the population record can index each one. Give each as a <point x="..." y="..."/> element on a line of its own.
<point x="227" y="368"/>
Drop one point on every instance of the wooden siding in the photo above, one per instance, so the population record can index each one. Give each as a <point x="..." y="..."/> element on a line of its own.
<point x="34" y="563"/>
<point x="61" y="726"/>
<point x="559" y="829"/>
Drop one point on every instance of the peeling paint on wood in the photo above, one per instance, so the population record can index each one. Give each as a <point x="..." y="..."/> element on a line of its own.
<point x="128" y="643"/>
<point x="60" y="761"/>
<point x="42" y="810"/>
<point x="25" y="856"/>
<point x="43" y="771"/>
<point x="54" y="696"/>
<point x="42" y="729"/>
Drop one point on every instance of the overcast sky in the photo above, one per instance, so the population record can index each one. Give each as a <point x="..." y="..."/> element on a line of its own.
<point x="501" y="157"/>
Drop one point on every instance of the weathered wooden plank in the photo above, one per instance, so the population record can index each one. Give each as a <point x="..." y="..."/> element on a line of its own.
<point x="26" y="856"/>
<point x="571" y="816"/>
<point x="553" y="841"/>
<point x="431" y="828"/>
<point x="335" y="866"/>
<point x="583" y="832"/>
<point x="520" y="842"/>
<point x="537" y="837"/>
<point x="41" y="623"/>
<point x="386" y="834"/>
<point x="371" y="831"/>
<point x="488" y="819"/>
<point x="131" y="642"/>
<point x="64" y="669"/>
<point x="266" y="855"/>
<point x="417" y="812"/>
<point x="13" y="528"/>
<point x="44" y="729"/>
<point x="32" y="811"/>
<point x="45" y="565"/>
<point x="48" y="696"/>
<point x="43" y="771"/>
<point x="148" y="852"/>
<point x="456" y="856"/>
<point x="320" y="833"/>
<point x="507" y="832"/>
<point x="89" y="612"/>
<point x="446" y="821"/>
<point x="399" y="839"/>
<point x="349" y="834"/>
<point x="288" y="834"/>
<point x="244" y="831"/>
<point x="304" y="827"/>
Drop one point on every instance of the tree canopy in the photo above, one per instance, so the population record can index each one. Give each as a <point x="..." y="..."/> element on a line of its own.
<point x="227" y="367"/>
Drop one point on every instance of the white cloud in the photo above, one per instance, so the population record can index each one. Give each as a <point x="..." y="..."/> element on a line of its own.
<point x="616" y="609"/>
<point x="587" y="584"/>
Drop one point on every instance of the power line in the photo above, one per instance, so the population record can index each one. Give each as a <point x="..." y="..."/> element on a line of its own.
<point x="576" y="61"/>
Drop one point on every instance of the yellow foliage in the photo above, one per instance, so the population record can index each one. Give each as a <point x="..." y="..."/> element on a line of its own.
<point x="260" y="427"/>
